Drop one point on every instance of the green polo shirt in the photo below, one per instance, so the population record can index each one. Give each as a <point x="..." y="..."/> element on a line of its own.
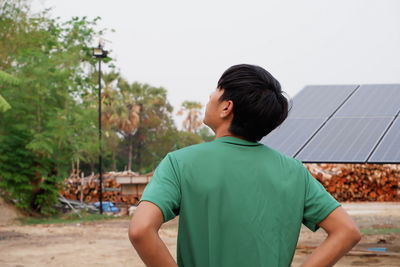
<point x="239" y="203"/>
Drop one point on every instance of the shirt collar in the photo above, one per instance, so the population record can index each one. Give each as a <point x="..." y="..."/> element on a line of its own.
<point x="236" y="141"/>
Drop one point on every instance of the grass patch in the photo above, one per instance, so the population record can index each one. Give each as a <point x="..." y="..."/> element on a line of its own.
<point x="67" y="219"/>
<point x="380" y="231"/>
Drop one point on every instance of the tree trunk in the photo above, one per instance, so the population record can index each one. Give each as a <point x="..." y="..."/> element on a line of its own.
<point x="130" y="152"/>
<point x="91" y="165"/>
<point x="139" y="155"/>
<point x="72" y="168"/>
<point x="114" y="161"/>
<point x="77" y="168"/>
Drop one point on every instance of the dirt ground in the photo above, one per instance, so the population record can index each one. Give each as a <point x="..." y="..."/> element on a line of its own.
<point x="105" y="243"/>
<point x="8" y="213"/>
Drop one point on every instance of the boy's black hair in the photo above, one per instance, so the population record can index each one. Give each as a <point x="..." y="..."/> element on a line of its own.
<point x="258" y="103"/>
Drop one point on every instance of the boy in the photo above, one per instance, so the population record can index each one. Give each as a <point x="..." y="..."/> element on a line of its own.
<point x="240" y="203"/>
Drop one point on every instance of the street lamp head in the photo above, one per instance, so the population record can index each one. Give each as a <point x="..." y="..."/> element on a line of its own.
<point x="99" y="52"/>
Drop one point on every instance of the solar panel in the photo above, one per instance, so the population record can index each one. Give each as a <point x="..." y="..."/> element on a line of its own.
<point x="319" y="101"/>
<point x="341" y="123"/>
<point x="344" y="140"/>
<point x="388" y="151"/>
<point x="289" y="137"/>
<point x="372" y="101"/>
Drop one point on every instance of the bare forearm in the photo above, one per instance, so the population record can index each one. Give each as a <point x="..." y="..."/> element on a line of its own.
<point x="153" y="251"/>
<point x="331" y="250"/>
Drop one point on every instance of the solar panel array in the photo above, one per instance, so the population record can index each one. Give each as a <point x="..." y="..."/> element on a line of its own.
<point x="319" y="101"/>
<point x="311" y="108"/>
<point x="293" y="134"/>
<point x="344" y="140"/>
<point x="388" y="150"/>
<point x="342" y="124"/>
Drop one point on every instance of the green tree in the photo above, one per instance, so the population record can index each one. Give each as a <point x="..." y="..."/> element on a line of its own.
<point x="129" y="109"/>
<point x="155" y="122"/>
<point x="193" y="119"/>
<point x="49" y="125"/>
<point x="205" y="134"/>
<point x="52" y="126"/>
<point x="4" y="106"/>
<point x="141" y="116"/>
<point x="5" y="79"/>
<point x="110" y="115"/>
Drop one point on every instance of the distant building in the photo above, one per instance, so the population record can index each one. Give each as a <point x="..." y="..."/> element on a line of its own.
<point x="133" y="185"/>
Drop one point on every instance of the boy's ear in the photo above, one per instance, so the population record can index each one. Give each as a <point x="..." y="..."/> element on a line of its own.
<point x="227" y="108"/>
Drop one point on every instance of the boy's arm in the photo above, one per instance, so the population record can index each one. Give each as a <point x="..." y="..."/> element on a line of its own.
<point x="343" y="235"/>
<point x="143" y="234"/>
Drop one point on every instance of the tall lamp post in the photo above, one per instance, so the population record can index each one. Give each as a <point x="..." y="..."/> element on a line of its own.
<point x="100" y="53"/>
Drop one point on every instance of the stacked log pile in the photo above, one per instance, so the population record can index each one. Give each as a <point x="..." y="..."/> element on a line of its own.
<point x="359" y="182"/>
<point x="345" y="182"/>
<point x="86" y="189"/>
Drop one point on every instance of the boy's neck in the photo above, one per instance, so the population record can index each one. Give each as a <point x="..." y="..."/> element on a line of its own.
<point x="225" y="132"/>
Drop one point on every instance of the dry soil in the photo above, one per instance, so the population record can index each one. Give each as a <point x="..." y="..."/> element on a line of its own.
<point x="105" y="243"/>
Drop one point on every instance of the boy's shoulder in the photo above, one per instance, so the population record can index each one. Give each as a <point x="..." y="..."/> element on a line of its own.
<point x="196" y="148"/>
<point x="203" y="148"/>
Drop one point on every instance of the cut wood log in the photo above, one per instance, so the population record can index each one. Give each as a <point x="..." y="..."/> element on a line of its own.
<point x="88" y="188"/>
<point x="359" y="182"/>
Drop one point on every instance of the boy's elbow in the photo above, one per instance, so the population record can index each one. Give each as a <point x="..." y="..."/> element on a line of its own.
<point x="136" y="233"/>
<point x="133" y="234"/>
<point x="356" y="235"/>
<point x="351" y="234"/>
<point x="338" y="224"/>
<point x="145" y="223"/>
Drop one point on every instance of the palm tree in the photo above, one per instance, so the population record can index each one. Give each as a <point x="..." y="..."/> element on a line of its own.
<point x="109" y="100"/>
<point x="109" y="115"/>
<point x="128" y="114"/>
<point x="120" y="113"/>
<point x="193" y="120"/>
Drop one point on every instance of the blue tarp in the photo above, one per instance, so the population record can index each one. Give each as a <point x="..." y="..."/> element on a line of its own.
<point x="107" y="206"/>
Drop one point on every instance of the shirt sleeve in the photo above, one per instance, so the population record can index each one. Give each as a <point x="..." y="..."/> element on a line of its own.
<point x="318" y="202"/>
<point x="163" y="189"/>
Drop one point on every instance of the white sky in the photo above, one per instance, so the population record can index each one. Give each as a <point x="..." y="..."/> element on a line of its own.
<point x="185" y="46"/>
